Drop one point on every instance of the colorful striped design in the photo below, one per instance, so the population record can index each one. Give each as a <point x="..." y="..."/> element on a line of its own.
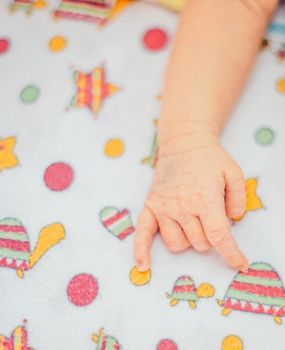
<point x="264" y="274"/>
<point x="98" y="82"/>
<point x="23" y="1"/>
<point x="108" y="343"/>
<point x="11" y="225"/>
<point x="76" y="16"/>
<point x="83" y="6"/>
<point x="15" y="245"/>
<point x="97" y="12"/>
<point x="92" y="89"/>
<point x="184" y="289"/>
<point x="83" y="10"/>
<point x="14" y="236"/>
<point x="26" y="5"/>
<point x="261" y="285"/>
<point x="89" y="2"/>
<point x="115" y="216"/>
<point x="82" y="92"/>
<point x="184" y="280"/>
<point x="14" y="264"/>
<point x="268" y="291"/>
<point x="184" y="296"/>
<point x="7" y="228"/>
<point x="259" y="281"/>
<point x="14" y="241"/>
<point x="261" y="266"/>
<point x="237" y="305"/>
<point x="243" y="296"/>
<point x="117" y="222"/>
<point x="19" y="338"/>
<point x="8" y="253"/>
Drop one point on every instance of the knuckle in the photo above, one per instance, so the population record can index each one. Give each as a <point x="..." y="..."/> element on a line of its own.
<point x="139" y="258"/>
<point x="174" y="246"/>
<point x="238" y="181"/>
<point x="204" y="247"/>
<point x="237" y="209"/>
<point x="217" y="237"/>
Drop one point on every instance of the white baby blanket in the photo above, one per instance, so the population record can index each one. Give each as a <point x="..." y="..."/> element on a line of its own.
<point x="77" y="111"/>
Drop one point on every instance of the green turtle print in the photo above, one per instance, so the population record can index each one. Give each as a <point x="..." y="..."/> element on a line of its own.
<point x="15" y="251"/>
<point x="27" y="6"/>
<point x="105" y="342"/>
<point x="260" y="291"/>
<point x="184" y="290"/>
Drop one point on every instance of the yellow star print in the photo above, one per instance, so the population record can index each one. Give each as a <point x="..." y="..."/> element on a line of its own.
<point x="253" y="202"/>
<point x="7" y="157"/>
<point x="120" y="6"/>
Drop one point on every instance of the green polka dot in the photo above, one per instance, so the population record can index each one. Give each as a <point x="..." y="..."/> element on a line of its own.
<point x="264" y="136"/>
<point x="30" y="94"/>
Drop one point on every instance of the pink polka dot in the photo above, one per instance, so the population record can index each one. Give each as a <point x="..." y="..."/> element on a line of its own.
<point x="4" y="45"/>
<point x="82" y="289"/>
<point x="58" y="176"/>
<point x="166" y="344"/>
<point x="155" y="39"/>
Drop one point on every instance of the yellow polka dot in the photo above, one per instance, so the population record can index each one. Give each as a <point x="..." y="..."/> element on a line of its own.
<point x="232" y="342"/>
<point x="114" y="148"/>
<point x="57" y="43"/>
<point x="139" y="278"/>
<point x="40" y="4"/>
<point x="281" y="86"/>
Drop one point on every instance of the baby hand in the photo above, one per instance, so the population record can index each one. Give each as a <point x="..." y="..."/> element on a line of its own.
<point x="196" y="187"/>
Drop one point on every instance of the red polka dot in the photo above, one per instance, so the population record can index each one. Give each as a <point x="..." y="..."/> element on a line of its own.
<point x="155" y="39"/>
<point x="58" y="176"/>
<point x="4" y="45"/>
<point x="82" y="289"/>
<point x="167" y="344"/>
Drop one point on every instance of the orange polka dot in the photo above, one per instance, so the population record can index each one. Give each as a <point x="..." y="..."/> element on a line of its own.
<point x="114" y="148"/>
<point x="281" y="86"/>
<point x="139" y="278"/>
<point x="57" y="43"/>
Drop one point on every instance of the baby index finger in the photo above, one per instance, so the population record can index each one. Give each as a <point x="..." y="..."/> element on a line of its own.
<point x="145" y="231"/>
<point x="217" y="229"/>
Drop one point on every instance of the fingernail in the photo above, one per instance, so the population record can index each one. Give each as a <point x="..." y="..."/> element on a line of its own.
<point x="244" y="268"/>
<point x="142" y="267"/>
<point x="201" y="246"/>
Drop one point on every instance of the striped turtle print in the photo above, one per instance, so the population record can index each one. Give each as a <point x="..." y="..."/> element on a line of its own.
<point x="184" y="289"/>
<point x="105" y="342"/>
<point x="14" y="244"/>
<point x="260" y="290"/>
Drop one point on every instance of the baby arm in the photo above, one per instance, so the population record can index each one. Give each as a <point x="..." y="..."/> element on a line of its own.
<point x="197" y="186"/>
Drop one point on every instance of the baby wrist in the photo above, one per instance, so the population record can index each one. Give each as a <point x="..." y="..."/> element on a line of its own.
<point x="183" y="137"/>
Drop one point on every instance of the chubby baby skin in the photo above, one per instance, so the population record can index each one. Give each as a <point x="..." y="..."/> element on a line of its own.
<point x="197" y="186"/>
